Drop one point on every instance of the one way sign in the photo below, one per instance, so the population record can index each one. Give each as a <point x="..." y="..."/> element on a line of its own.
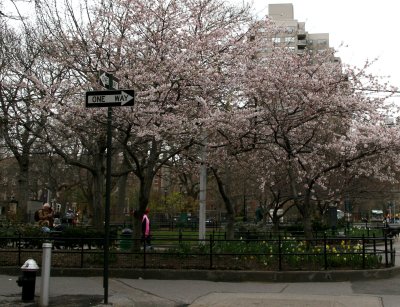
<point x="110" y="98"/>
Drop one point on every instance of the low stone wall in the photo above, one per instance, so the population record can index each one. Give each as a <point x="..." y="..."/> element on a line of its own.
<point x="221" y="275"/>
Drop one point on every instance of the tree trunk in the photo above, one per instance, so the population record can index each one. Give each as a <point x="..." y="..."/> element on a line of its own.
<point x="121" y="199"/>
<point x="275" y="222"/>
<point x="307" y="223"/>
<point x="230" y="230"/>
<point x="98" y="193"/>
<point x="230" y="226"/>
<point x="303" y="208"/>
<point x="23" y="189"/>
<point x="98" y="208"/>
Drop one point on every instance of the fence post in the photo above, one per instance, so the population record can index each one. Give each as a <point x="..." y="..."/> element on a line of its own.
<point x="280" y="252"/>
<point x="144" y="254"/>
<point x="180" y="235"/>
<point x="363" y="251"/>
<point x="374" y="238"/>
<point x="325" y="254"/>
<point x="81" y="239"/>
<point x="19" y="248"/>
<point x="392" y="254"/>
<point x="386" y="252"/>
<point x="211" y="251"/>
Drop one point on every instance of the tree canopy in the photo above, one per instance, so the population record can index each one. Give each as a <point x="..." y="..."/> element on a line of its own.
<point x="199" y="69"/>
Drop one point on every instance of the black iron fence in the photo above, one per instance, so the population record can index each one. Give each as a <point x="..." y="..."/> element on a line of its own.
<point x="215" y="252"/>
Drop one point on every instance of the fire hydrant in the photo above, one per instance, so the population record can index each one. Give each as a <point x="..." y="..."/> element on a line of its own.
<point x="28" y="279"/>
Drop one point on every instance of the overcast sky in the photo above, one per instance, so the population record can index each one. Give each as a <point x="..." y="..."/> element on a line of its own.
<point x="368" y="29"/>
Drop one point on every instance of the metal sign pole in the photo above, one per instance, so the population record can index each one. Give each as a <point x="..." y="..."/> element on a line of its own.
<point x="109" y="99"/>
<point x="107" y="209"/>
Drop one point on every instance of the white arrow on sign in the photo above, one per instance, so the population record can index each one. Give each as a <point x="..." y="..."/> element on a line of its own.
<point x="110" y="98"/>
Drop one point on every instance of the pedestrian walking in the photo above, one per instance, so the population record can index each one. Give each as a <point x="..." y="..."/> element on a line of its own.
<point x="146" y="234"/>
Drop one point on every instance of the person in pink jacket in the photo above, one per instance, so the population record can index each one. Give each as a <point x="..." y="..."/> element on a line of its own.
<point x="146" y="234"/>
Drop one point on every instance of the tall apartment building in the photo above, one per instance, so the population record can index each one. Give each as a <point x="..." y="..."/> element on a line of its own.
<point x="293" y="34"/>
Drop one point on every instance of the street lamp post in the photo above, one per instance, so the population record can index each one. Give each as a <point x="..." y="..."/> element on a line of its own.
<point x="244" y="208"/>
<point x="165" y="197"/>
<point x="394" y="212"/>
<point x="244" y="202"/>
<point x="203" y="191"/>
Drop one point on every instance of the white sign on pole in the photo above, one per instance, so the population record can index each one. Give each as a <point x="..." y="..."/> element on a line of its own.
<point x="110" y="98"/>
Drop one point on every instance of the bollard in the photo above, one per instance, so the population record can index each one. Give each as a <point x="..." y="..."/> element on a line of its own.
<point x="45" y="280"/>
<point x="28" y="279"/>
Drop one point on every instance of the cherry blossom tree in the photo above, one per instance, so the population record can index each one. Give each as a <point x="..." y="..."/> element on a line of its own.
<point x="306" y="118"/>
<point x="21" y="117"/>
<point x="312" y="116"/>
<point x="181" y="58"/>
<point x="183" y="71"/>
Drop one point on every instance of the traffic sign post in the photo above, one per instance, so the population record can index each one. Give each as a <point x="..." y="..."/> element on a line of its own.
<point x="107" y="207"/>
<point x="111" y="98"/>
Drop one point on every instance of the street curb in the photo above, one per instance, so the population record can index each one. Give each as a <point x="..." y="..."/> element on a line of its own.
<point x="223" y="275"/>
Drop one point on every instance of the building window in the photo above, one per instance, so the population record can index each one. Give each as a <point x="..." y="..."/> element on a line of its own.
<point x="276" y="40"/>
<point x="289" y="29"/>
<point x="289" y="39"/>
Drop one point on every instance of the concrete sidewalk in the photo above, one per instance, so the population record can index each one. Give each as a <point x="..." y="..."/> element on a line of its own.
<point x="88" y="291"/>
